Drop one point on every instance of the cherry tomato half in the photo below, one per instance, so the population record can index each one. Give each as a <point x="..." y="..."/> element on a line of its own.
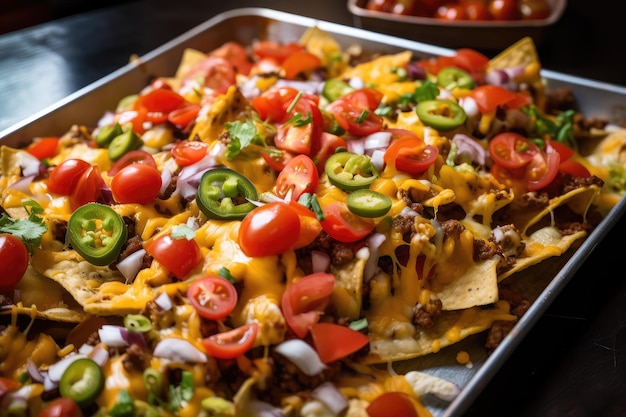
<point x="411" y="155"/>
<point x="179" y="256"/>
<point x="8" y="385"/>
<point x="233" y="343"/>
<point x="157" y="103"/>
<point x="136" y="183"/>
<point x="270" y="229"/>
<point x="299" y="176"/>
<point x="183" y="116"/>
<point x="136" y="156"/>
<point x="188" y="152"/>
<point x="354" y="111"/>
<point x="342" y="225"/>
<point x="214" y="298"/>
<point x="542" y="170"/>
<point x="213" y="72"/>
<point x="64" y="177"/>
<point x="304" y="300"/>
<point x="61" y="407"/>
<point x="12" y="248"/>
<point x="299" y="62"/>
<point x="326" y="335"/>
<point x="489" y="97"/>
<point x="88" y="188"/>
<point x="512" y="150"/>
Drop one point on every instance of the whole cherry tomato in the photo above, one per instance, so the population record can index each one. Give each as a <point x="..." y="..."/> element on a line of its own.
<point x="270" y="229"/>
<point x="12" y="248"/>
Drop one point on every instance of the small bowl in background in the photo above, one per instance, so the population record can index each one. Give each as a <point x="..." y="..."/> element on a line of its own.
<point x="483" y="35"/>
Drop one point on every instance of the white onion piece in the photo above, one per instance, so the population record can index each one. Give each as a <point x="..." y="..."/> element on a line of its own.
<point x="164" y="301"/>
<point x="34" y="372"/>
<point x="356" y="146"/>
<point x="189" y="176"/>
<point x="356" y="83"/>
<point x="378" y="159"/>
<point x="111" y="335"/>
<point x="166" y="179"/>
<point x="179" y="350"/>
<point x="302" y="355"/>
<point x="371" y="265"/>
<point x="331" y="397"/>
<point x="23" y="184"/>
<point x="130" y="266"/>
<point x="108" y="118"/>
<point x="269" y="197"/>
<point x="320" y="261"/>
<point x="469" y="106"/>
<point x="497" y="77"/>
<point x="49" y="384"/>
<point x="377" y="140"/>
<point x="99" y="354"/>
<point x="56" y="370"/>
<point x="311" y="87"/>
<point x="29" y="164"/>
<point x="423" y="383"/>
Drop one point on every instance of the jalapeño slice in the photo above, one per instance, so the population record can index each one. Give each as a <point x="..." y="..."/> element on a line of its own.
<point x="452" y="77"/>
<point x="368" y="203"/>
<point x="350" y="171"/>
<point x="442" y="115"/>
<point x="82" y="381"/>
<point x="224" y="194"/>
<point x="97" y="233"/>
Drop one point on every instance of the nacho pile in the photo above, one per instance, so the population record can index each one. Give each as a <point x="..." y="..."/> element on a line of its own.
<point x="258" y="232"/>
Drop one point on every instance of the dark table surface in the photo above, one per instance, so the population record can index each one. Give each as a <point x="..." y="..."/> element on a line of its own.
<point x="573" y="361"/>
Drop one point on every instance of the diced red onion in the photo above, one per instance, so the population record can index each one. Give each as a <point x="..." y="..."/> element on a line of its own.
<point x="34" y="372"/>
<point x="320" y="261"/>
<point x="469" y="148"/>
<point x="106" y="196"/>
<point x="331" y="397"/>
<point x="263" y="409"/>
<point x="166" y="179"/>
<point x="29" y="164"/>
<point x="378" y="159"/>
<point x="179" y="350"/>
<point x="130" y="265"/>
<point x="23" y="184"/>
<point x="112" y="335"/>
<point x="497" y="77"/>
<point x="302" y="355"/>
<point x="356" y="146"/>
<point x="189" y="176"/>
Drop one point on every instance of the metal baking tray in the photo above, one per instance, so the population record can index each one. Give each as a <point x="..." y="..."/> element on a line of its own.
<point x="486" y="35"/>
<point x="597" y="99"/>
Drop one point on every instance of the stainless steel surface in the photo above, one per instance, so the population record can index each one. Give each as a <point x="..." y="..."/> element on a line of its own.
<point x="246" y="24"/>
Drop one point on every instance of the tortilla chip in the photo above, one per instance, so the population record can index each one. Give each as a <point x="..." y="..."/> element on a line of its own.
<point x="450" y="328"/>
<point x="348" y="293"/>
<point x="477" y="286"/>
<point x="42" y="298"/>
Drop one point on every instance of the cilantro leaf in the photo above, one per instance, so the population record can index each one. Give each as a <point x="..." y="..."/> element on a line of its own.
<point x="29" y="229"/>
<point x="241" y="134"/>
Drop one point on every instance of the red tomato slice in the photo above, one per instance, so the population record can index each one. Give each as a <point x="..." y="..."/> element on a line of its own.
<point x="575" y="169"/>
<point x="411" y="155"/>
<point x="564" y="151"/>
<point x="270" y="229"/>
<point x="236" y="54"/>
<point x="157" y="103"/>
<point x="326" y="335"/>
<point x="304" y="300"/>
<point x="88" y="188"/>
<point x="136" y="118"/>
<point x="275" y="50"/>
<point x="61" y="407"/>
<point x="12" y="248"/>
<point x="214" y="298"/>
<point x="43" y="148"/>
<point x="136" y="156"/>
<point x="179" y="256"/>
<point x="470" y="60"/>
<point x="355" y="111"/>
<point x="136" y="183"/>
<point x="189" y="152"/>
<point x="276" y="158"/>
<point x="512" y="150"/>
<point x="343" y="225"/>
<point x="542" y="170"/>
<point x="392" y="404"/>
<point x="325" y="147"/>
<point x="8" y="385"/>
<point x="213" y="72"/>
<point x="299" y="138"/>
<point x="64" y="177"/>
<point x="233" y="343"/>
<point x="299" y="176"/>
<point x="183" y="116"/>
<point x="300" y="62"/>
<point x="489" y="97"/>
